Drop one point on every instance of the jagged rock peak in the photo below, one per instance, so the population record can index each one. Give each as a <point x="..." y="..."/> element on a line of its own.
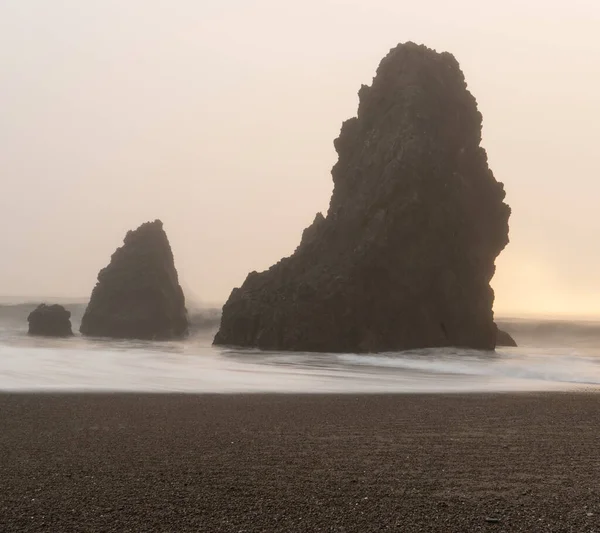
<point x="406" y="253"/>
<point x="138" y="294"/>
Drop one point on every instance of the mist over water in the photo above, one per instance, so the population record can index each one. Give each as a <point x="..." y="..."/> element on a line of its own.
<point x="552" y="355"/>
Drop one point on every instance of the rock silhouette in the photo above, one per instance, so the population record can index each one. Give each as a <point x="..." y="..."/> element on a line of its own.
<point x="405" y="254"/>
<point x="505" y="339"/>
<point x="50" y="321"/>
<point x="138" y="295"/>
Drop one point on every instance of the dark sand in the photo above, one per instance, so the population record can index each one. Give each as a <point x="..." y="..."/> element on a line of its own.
<point x="175" y="463"/>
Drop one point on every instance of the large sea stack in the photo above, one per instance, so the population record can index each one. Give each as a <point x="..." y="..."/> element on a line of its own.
<point x="138" y="295"/>
<point x="405" y="255"/>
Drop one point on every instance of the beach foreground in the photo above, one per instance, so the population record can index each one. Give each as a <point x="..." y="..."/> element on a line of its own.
<point x="141" y="462"/>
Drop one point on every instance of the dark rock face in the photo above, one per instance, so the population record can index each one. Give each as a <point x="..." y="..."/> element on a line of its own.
<point x="405" y="255"/>
<point x="50" y="321"/>
<point x="138" y="295"/>
<point x="505" y="339"/>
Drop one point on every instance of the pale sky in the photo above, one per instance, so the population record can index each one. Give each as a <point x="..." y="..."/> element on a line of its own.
<point x="218" y="116"/>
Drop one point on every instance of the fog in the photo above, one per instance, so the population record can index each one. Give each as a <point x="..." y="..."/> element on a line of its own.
<point x="218" y="116"/>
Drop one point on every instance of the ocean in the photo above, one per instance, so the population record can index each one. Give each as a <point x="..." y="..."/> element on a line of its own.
<point x="552" y="355"/>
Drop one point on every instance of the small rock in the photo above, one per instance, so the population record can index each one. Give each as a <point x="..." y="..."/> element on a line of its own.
<point x="50" y="321"/>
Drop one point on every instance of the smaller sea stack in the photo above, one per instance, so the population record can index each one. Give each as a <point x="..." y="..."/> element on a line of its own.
<point x="138" y="295"/>
<point x="50" y="321"/>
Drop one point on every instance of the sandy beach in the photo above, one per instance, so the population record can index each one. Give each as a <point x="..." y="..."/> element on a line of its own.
<point x="246" y="463"/>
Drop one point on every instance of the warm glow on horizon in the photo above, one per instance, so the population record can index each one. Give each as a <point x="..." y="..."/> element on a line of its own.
<point x="219" y="118"/>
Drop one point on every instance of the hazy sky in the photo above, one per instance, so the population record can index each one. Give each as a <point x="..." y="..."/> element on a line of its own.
<point x="218" y="116"/>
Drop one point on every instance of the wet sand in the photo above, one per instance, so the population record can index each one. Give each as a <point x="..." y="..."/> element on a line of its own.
<point x="245" y="463"/>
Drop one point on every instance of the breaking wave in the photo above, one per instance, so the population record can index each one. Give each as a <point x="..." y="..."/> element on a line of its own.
<point x="552" y="354"/>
